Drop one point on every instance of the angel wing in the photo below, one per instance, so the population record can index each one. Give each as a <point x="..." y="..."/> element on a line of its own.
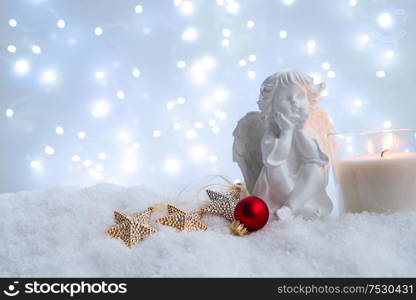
<point x="247" y="147"/>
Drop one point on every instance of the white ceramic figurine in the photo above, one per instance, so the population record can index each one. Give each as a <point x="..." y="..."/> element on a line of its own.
<point x="281" y="149"/>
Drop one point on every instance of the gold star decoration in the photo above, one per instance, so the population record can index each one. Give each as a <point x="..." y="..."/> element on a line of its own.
<point x="132" y="229"/>
<point x="181" y="220"/>
<point x="222" y="204"/>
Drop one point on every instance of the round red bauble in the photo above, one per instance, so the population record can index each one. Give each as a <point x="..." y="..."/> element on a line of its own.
<point x="252" y="212"/>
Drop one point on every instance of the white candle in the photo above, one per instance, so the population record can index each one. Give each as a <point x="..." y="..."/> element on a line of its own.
<point x="375" y="183"/>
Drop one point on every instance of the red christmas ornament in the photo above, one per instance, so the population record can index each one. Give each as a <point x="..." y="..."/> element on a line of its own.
<point x="252" y="212"/>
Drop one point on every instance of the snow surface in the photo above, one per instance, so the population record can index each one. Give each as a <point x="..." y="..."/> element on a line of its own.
<point x="60" y="233"/>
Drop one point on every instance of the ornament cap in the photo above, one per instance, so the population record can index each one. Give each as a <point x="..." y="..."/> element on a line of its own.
<point x="238" y="228"/>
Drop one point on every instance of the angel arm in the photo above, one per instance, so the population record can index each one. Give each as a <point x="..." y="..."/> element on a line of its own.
<point x="283" y="144"/>
<point x="280" y="148"/>
<point x="306" y="145"/>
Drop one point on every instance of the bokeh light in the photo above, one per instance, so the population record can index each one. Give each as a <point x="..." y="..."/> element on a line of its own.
<point x="150" y="92"/>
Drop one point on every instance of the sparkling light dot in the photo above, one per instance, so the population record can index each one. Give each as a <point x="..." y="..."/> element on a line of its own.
<point x="213" y="159"/>
<point x="242" y="63"/>
<point x="220" y="94"/>
<point x="102" y="155"/>
<point x="76" y="158"/>
<point x="49" y="150"/>
<point x="324" y="93"/>
<point x="190" y="34"/>
<point x="59" y="130"/>
<point x="325" y="66"/>
<point x="35" y="164"/>
<point x="215" y="129"/>
<point x="87" y="163"/>
<point x="180" y="100"/>
<point x="232" y="7"/>
<point x="11" y="48"/>
<point x="135" y="72"/>
<point x="60" y="24"/>
<point x="138" y="9"/>
<point x="252" y="58"/>
<point x="177" y="2"/>
<point x="98" y="31"/>
<point x="226" y="32"/>
<point x="381" y="74"/>
<point x="130" y="165"/>
<point x="212" y="122"/>
<point x="358" y="103"/>
<point x="331" y="74"/>
<point x="170" y="105"/>
<point x="197" y="153"/>
<point x="99" y="167"/>
<point x="9" y="113"/>
<point x="198" y="125"/>
<point x="283" y="34"/>
<point x="352" y="3"/>
<point x="187" y="8"/>
<point x="191" y="134"/>
<point x="81" y="135"/>
<point x="48" y="77"/>
<point x="171" y="165"/>
<point x="389" y="54"/>
<point x="385" y="20"/>
<point x="136" y="145"/>
<point x="99" y="75"/>
<point x="288" y="2"/>
<point x="365" y="38"/>
<point x="156" y="133"/>
<point x="120" y="95"/>
<point x="124" y="136"/>
<point x="251" y="74"/>
<point x="220" y="2"/>
<point x="177" y="126"/>
<point x="311" y="45"/>
<point x="208" y="63"/>
<point x="100" y="109"/>
<point x="12" y="23"/>
<point x="225" y="42"/>
<point x="181" y="64"/>
<point x="36" y="49"/>
<point x="21" y="67"/>
<point x="387" y="124"/>
<point x="250" y="24"/>
<point x="207" y="104"/>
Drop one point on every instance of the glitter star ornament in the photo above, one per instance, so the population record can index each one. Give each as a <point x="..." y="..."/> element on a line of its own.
<point x="132" y="229"/>
<point x="181" y="220"/>
<point x="222" y="204"/>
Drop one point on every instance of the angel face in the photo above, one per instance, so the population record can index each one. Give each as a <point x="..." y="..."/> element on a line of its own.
<point x="292" y="102"/>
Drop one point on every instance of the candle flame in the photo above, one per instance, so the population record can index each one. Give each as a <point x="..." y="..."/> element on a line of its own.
<point x="388" y="142"/>
<point x="370" y="147"/>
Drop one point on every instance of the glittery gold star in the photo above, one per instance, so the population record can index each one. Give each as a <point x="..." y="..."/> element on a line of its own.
<point x="222" y="204"/>
<point x="181" y="220"/>
<point x="131" y="229"/>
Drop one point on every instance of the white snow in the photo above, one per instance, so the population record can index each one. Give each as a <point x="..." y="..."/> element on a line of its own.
<point x="60" y="233"/>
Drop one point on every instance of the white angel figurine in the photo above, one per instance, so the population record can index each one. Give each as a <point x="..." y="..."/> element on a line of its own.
<point x="280" y="150"/>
